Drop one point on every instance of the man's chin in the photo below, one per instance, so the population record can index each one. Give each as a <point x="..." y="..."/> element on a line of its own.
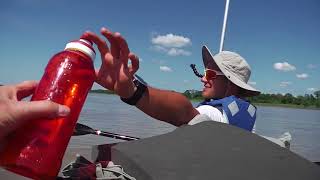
<point x="205" y="95"/>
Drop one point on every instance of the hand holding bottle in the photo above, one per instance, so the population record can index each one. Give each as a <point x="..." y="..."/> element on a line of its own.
<point x="31" y="149"/>
<point x="15" y="113"/>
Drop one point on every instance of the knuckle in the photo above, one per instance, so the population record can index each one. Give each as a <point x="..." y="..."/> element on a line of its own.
<point x="50" y="105"/>
<point x="5" y="106"/>
<point x="25" y="82"/>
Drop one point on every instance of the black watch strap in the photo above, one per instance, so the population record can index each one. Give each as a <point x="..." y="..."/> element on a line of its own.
<point x="141" y="88"/>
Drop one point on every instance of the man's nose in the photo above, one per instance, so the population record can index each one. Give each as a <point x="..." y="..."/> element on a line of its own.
<point x="204" y="79"/>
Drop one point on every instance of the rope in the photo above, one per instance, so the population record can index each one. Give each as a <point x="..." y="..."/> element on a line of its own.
<point x="193" y="67"/>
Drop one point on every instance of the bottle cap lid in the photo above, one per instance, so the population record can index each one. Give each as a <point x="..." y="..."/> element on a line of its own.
<point x="82" y="45"/>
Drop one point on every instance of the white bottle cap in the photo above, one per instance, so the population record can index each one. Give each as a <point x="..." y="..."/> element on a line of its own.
<point x="82" y="45"/>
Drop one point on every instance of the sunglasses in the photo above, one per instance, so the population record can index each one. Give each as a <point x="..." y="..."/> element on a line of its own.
<point x="212" y="74"/>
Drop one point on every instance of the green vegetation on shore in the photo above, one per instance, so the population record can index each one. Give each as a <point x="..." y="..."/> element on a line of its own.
<point x="310" y="101"/>
<point x="287" y="106"/>
<point x="102" y="91"/>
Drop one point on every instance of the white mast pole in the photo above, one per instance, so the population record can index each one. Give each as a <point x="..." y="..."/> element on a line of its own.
<point x="224" y="25"/>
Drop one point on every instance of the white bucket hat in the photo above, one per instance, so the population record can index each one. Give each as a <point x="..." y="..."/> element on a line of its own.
<point x="233" y="66"/>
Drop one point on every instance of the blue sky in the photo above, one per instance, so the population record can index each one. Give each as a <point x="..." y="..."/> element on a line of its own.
<point x="279" y="39"/>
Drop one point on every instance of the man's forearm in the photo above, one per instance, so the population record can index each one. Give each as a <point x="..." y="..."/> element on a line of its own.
<point x="168" y="106"/>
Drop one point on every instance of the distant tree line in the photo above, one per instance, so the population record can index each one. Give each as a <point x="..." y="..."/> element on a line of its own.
<point x="103" y="91"/>
<point x="308" y="100"/>
<point x="193" y="94"/>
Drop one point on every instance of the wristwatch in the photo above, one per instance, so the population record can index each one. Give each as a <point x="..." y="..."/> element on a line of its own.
<point x="141" y="87"/>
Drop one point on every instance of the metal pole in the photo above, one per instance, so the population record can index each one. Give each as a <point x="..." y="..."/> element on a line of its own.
<point x="224" y="25"/>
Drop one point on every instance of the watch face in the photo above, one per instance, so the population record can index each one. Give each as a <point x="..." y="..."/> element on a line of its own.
<point x="140" y="80"/>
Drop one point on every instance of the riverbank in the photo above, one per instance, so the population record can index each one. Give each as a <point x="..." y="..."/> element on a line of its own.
<point x="198" y="100"/>
<point x="294" y="106"/>
<point x="101" y="91"/>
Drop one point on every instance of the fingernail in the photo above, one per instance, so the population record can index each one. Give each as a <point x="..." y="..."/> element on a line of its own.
<point x="84" y="35"/>
<point x="117" y="34"/>
<point x="104" y="29"/>
<point x="63" y="110"/>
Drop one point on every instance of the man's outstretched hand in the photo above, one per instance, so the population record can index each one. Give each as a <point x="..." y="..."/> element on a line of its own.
<point x="115" y="73"/>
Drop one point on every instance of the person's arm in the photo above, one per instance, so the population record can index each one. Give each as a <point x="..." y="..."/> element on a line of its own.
<point x="168" y="106"/>
<point x="116" y="75"/>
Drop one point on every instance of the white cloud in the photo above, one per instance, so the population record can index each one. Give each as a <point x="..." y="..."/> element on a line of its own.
<point x="171" y="51"/>
<point x="171" y="40"/>
<point x="165" y="69"/>
<point x="171" y="44"/>
<point x="302" y="76"/>
<point x="252" y="83"/>
<point x="312" y="66"/>
<point x="285" y="83"/>
<point x="159" y="48"/>
<point x="311" y="89"/>
<point x="285" y="66"/>
<point x="177" y="52"/>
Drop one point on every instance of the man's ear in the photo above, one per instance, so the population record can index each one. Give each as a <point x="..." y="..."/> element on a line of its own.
<point x="234" y="89"/>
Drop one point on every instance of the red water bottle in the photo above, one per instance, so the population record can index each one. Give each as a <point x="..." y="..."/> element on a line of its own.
<point x="36" y="150"/>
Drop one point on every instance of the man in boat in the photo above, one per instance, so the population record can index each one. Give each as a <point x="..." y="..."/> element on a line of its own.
<point x="225" y="86"/>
